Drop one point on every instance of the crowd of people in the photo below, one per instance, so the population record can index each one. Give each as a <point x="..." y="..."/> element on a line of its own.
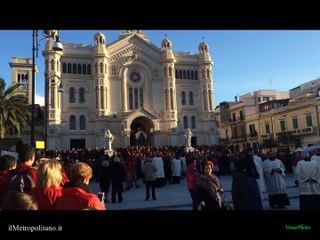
<point x="61" y="177"/>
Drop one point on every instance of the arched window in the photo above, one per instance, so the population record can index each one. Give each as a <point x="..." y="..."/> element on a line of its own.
<point x="208" y="73"/>
<point x="180" y="74"/>
<point x="191" y="98"/>
<point x="101" y="67"/>
<point x="141" y="97"/>
<point x="183" y="98"/>
<point x="97" y="98"/>
<point x="26" y="77"/>
<point x="113" y="70"/>
<point x="164" y="71"/>
<point x="210" y="100"/>
<point x="64" y="68"/>
<point x="52" y="64"/>
<point x="196" y="75"/>
<point x="82" y="122"/>
<point x="69" y="67"/>
<point x="84" y="69"/>
<point x="96" y="68"/>
<point x="171" y="99"/>
<point x="170" y="72"/>
<point x="166" y="96"/>
<point x="193" y="122"/>
<point x="72" y="122"/>
<point x="89" y="69"/>
<point x="18" y="77"/>
<point x="177" y="74"/>
<point x="72" y="98"/>
<point x="185" y="122"/>
<point x="81" y="95"/>
<point x="202" y="73"/>
<point x="74" y="68"/>
<point x="130" y="99"/>
<point x="188" y="74"/>
<point x="79" y="68"/>
<point x="136" y="101"/>
<point x="184" y="74"/>
<point x="192" y="75"/>
<point x="205" y="100"/>
<point x="47" y="65"/>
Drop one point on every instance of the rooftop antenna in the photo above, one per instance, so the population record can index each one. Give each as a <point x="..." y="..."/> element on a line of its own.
<point x="202" y="39"/>
<point x="165" y="36"/>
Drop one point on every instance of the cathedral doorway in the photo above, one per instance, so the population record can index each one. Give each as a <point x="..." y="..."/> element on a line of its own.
<point x="141" y="132"/>
<point x="78" y="143"/>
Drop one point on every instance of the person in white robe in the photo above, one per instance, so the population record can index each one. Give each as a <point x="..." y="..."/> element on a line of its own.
<point x="316" y="157"/>
<point x="158" y="162"/>
<point x="261" y="182"/>
<point x="274" y="171"/>
<point x="308" y="172"/>
<point x="176" y="169"/>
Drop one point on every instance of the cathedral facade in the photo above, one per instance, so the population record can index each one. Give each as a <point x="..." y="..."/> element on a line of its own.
<point x="143" y="94"/>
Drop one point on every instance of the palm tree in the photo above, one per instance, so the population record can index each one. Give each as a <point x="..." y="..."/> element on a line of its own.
<point x="14" y="110"/>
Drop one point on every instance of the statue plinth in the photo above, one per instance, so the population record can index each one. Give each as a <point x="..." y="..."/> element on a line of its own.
<point x="189" y="149"/>
<point x="110" y="152"/>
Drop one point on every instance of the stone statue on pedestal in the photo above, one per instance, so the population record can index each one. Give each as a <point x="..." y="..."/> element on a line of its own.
<point x="108" y="135"/>
<point x="188" y="134"/>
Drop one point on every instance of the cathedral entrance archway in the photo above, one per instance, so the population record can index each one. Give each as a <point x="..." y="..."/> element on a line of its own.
<point x="141" y="132"/>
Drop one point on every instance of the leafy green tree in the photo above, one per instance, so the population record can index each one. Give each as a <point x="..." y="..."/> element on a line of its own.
<point x="14" y="110"/>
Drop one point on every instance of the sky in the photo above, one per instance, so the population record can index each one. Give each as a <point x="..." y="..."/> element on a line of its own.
<point x="244" y="60"/>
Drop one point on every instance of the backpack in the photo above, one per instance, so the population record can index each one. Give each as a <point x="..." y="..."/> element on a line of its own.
<point x="20" y="181"/>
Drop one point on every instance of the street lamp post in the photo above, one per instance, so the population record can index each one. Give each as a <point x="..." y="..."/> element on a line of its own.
<point x="49" y="82"/>
<point x="57" y="46"/>
<point x="34" y="49"/>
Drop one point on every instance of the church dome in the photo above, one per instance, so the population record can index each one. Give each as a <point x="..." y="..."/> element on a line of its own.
<point x="203" y="47"/>
<point x="166" y="43"/>
<point x="99" y="39"/>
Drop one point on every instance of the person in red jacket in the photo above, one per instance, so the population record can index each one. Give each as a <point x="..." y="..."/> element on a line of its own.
<point x="48" y="183"/>
<point x="192" y="174"/>
<point x="77" y="195"/>
<point x="26" y="159"/>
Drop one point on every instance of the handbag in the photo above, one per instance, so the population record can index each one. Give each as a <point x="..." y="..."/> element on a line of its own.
<point x="224" y="203"/>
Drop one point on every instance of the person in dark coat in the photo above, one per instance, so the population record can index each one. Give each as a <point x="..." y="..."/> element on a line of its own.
<point x="247" y="166"/>
<point x="209" y="189"/>
<point x="117" y="175"/>
<point x="105" y="178"/>
<point x="239" y="190"/>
